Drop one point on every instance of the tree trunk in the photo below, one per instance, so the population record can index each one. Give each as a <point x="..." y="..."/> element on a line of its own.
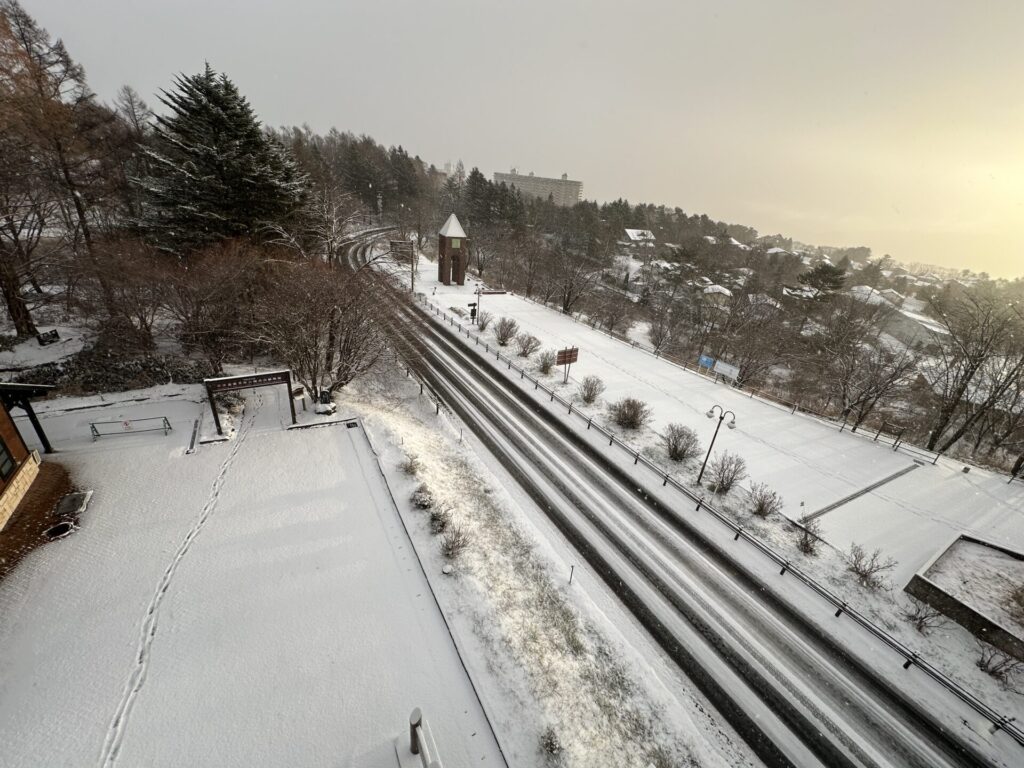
<point x="17" y="309"/>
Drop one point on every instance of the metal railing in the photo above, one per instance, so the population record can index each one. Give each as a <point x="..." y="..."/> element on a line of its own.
<point x="421" y="741"/>
<point x="128" y="427"/>
<point x="998" y="720"/>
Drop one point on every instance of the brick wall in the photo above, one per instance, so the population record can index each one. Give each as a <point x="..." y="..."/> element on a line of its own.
<point x="17" y="486"/>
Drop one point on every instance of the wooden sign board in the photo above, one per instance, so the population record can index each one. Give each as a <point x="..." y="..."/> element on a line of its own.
<point x="402" y="248"/>
<point x="567" y="356"/>
<point x="231" y="383"/>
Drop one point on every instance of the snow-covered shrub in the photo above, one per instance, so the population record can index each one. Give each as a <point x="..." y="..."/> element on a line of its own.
<point x="681" y="442"/>
<point x="459" y="311"/>
<point x="765" y="501"/>
<point x="590" y="389"/>
<point x="483" y="319"/>
<point x="810" y="536"/>
<point x="546" y="361"/>
<point x="923" y="616"/>
<point x="527" y="344"/>
<point x="630" y="413"/>
<point x="231" y="402"/>
<point x="454" y="542"/>
<point x="411" y="465"/>
<point x="422" y="498"/>
<point x="440" y="518"/>
<point x="1002" y="667"/>
<point x="505" y="330"/>
<point x="868" y="568"/>
<point x="550" y="744"/>
<point x="726" y="470"/>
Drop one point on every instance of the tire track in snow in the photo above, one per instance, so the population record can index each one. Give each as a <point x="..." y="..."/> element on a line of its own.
<point x="116" y="731"/>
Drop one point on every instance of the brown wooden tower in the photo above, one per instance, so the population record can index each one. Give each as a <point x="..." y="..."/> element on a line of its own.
<point x="452" y="252"/>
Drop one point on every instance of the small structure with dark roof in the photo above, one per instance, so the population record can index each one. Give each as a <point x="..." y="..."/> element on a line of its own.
<point x="452" y="252"/>
<point x="18" y="464"/>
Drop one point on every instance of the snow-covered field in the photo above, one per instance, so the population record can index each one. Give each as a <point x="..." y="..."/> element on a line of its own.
<point x="809" y="462"/>
<point x="254" y="603"/>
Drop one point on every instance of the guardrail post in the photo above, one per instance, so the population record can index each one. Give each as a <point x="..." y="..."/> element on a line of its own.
<point x="636" y="458"/>
<point x="570" y="409"/>
<point x="665" y="481"/>
<point x="611" y="440"/>
<point x="784" y="567"/>
<point x="737" y="536"/>
<point x="840" y="609"/>
<point x="910" y="660"/>
<point x="700" y="501"/>
<point x="415" y="722"/>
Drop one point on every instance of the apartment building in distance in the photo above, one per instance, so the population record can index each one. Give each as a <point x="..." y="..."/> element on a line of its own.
<point x="563" y="191"/>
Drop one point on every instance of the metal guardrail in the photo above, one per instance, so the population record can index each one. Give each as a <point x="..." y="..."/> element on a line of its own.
<point x="128" y="427"/>
<point x="998" y="720"/>
<point x="421" y="741"/>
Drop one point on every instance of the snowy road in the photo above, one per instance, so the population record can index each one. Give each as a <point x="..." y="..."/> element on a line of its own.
<point x="794" y="695"/>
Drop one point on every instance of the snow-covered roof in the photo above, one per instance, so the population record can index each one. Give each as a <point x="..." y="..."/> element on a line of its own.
<point x="776" y="250"/>
<point x="868" y="294"/>
<point x="640" y="235"/>
<point x="718" y="289"/>
<point x="930" y="323"/>
<point x="758" y="299"/>
<point x="452" y="228"/>
<point x="710" y="239"/>
<point x="738" y="244"/>
<point x="806" y="292"/>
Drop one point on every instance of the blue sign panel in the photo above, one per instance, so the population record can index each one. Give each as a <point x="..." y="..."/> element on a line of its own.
<point x="705" y="361"/>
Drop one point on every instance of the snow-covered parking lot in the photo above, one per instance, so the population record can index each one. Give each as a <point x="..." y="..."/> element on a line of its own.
<point x="254" y="603"/>
<point x="807" y="461"/>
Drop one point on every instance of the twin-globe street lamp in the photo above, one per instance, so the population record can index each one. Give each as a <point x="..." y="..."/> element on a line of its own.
<point x="721" y="418"/>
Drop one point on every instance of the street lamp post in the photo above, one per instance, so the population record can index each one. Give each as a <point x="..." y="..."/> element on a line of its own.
<point x="721" y="418"/>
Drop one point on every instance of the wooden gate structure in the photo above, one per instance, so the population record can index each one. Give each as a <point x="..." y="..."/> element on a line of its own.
<point x="247" y="381"/>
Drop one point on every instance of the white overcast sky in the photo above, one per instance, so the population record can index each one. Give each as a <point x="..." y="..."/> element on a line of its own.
<point x="898" y="125"/>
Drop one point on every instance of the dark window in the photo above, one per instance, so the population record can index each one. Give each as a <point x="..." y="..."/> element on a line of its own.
<point x="7" y="465"/>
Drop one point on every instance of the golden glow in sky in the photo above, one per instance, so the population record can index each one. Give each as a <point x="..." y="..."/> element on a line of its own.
<point x="896" y="125"/>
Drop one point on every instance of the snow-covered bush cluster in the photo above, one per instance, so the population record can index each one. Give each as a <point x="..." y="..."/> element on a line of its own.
<point x="681" y="442"/>
<point x="726" y="470"/>
<point x="630" y="413"/>
<point x="546" y="361"/>
<point x="505" y="330"/>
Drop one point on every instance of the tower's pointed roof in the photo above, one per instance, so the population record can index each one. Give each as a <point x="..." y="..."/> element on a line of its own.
<point x="452" y="228"/>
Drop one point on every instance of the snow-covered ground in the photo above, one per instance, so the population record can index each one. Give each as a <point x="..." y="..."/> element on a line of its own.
<point x="30" y="353"/>
<point x="992" y="507"/>
<point x="254" y="603"/>
<point x="545" y="654"/>
<point x="809" y="462"/>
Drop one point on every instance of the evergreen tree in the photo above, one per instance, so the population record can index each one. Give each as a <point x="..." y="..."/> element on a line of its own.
<point x="215" y="173"/>
<point x="824" y="277"/>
